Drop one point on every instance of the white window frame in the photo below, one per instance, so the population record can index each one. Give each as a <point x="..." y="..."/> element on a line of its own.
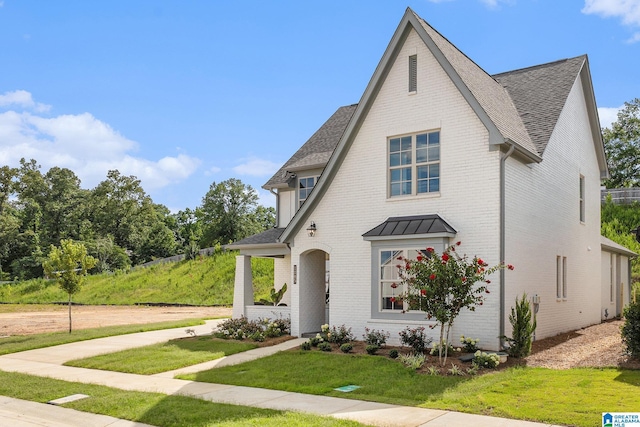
<point x="386" y="281"/>
<point x="561" y="278"/>
<point x="308" y="191"/>
<point x="407" y="177"/>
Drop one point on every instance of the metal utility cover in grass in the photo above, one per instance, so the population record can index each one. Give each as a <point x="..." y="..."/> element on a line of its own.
<point x="347" y="388"/>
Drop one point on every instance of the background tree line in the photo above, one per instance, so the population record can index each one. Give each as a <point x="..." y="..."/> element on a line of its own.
<point x="117" y="220"/>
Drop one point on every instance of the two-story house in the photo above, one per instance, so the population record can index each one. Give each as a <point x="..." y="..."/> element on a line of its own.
<point x="438" y="151"/>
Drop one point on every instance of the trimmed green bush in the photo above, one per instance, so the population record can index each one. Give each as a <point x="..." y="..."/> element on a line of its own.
<point x="372" y="349"/>
<point x="631" y="329"/>
<point x="346" y="347"/>
<point x="324" y="346"/>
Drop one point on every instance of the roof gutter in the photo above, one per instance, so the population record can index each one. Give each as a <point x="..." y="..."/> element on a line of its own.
<point x="503" y="161"/>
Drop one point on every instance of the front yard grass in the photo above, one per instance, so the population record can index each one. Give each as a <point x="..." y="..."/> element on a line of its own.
<point x="164" y="357"/>
<point x="154" y="408"/>
<point x="18" y="343"/>
<point x="575" y="397"/>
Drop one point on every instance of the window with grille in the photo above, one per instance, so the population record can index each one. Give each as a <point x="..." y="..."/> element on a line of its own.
<point x="414" y="164"/>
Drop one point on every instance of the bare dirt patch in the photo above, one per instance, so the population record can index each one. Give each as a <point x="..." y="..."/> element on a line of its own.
<point x="24" y="321"/>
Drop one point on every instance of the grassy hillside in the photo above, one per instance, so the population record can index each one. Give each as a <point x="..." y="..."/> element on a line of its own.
<point x="205" y="281"/>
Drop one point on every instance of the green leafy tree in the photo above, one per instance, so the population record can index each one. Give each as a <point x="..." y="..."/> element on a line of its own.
<point x="187" y="229"/>
<point x="617" y="221"/>
<point x="69" y="264"/>
<point x="226" y="212"/>
<point x="8" y="185"/>
<point x="442" y="285"/>
<point x="121" y="208"/>
<point x="622" y="146"/>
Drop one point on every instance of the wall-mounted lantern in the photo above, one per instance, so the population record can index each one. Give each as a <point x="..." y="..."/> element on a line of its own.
<point x="311" y="230"/>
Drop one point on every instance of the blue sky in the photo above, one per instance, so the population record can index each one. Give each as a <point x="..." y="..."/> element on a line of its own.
<point x="185" y="93"/>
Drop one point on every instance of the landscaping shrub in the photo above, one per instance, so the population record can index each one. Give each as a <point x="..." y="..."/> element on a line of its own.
<point x="469" y="344"/>
<point x="524" y="326"/>
<point x="435" y="348"/>
<point x="237" y="329"/>
<point x="485" y="360"/>
<point x="346" y="347"/>
<point x="277" y="327"/>
<point x="415" y="338"/>
<point x="339" y="335"/>
<point x="374" y="337"/>
<point x="315" y="341"/>
<point x="631" y="329"/>
<point x="324" y="346"/>
<point x="305" y="346"/>
<point x="372" y="349"/>
<point x="242" y="328"/>
<point x="393" y="354"/>
<point x="413" y="361"/>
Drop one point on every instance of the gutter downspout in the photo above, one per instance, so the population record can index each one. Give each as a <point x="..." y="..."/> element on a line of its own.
<point x="277" y="206"/>
<point x="503" y="160"/>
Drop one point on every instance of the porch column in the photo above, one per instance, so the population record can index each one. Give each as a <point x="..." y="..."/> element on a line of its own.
<point x="243" y="286"/>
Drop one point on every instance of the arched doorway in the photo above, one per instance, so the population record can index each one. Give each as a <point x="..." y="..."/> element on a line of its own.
<point x="314" y="290"/>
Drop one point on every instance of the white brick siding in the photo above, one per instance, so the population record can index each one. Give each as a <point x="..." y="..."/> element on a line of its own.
<point x="542" y="222"/>
<point x="356" y="200"/>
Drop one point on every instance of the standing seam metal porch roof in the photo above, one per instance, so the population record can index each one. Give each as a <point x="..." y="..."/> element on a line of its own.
<point x="403" y="226"/>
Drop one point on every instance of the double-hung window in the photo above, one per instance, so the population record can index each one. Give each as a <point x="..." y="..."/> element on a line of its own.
<point x="305" y="185"/>
<point x="414" y="164"/>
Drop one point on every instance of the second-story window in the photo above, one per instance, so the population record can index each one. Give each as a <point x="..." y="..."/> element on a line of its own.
<point x="305" y="185"/>
<point x="414" y="164"/>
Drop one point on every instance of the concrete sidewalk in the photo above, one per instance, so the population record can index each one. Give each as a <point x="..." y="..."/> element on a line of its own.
<point x="47" y="362"/>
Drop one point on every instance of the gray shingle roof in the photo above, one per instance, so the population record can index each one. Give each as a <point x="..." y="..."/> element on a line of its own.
<point x="492" y="97"/>
<point x="410" y="225"/>
<point x="317" y="150"/>
<point x="539" y="93"/>
<point x="266" y="237"/>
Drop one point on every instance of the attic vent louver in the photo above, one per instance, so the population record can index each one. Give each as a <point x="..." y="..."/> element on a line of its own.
<point x="413" y="73"/>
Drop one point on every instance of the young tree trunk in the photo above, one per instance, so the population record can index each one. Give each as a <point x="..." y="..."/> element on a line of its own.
<point x="442" y="359"/>
<point x="69" y="313"/>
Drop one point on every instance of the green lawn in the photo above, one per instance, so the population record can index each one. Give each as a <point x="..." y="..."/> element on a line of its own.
<point x="17" y="343"/>
<point x="164" y="357"/>
<point x="568" y="397"/>
<point x="153" y="408"/>
<point x="203" y="281"/>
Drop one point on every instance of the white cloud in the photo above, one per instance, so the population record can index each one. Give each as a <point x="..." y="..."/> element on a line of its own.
<point x="23" y="99"/>
<point x="82" y="143"/>
<point x="212" y="171"/>
<point x="627" y="10"/>
<point x="492" y="4"/>
<point x="254" y="166"/>
<point x="608" y="115"/>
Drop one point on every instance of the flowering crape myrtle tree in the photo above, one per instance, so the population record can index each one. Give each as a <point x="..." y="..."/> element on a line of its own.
<point x="443" y="284"/>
